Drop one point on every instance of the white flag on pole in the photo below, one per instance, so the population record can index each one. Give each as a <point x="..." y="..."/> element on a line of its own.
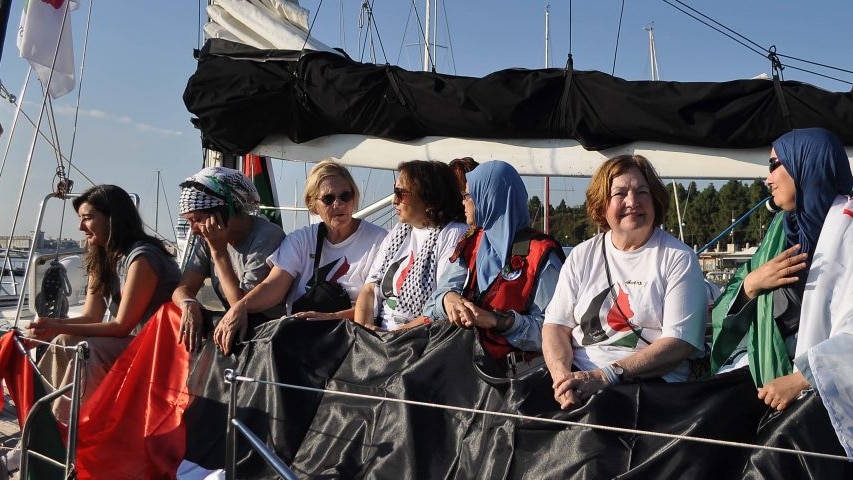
<point x="39" y="40"/>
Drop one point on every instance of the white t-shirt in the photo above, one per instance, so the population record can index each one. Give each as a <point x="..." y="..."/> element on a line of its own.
<point x="659" y="287"/>
<point x="390" y="283"/>
<point x="346" y="263"/>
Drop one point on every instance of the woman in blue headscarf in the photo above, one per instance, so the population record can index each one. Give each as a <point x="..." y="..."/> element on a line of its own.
<point x="503" y="273"/>
<point x="788" y="315"/>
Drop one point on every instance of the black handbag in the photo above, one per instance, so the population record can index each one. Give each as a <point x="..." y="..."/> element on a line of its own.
<point x="323" y="296"/>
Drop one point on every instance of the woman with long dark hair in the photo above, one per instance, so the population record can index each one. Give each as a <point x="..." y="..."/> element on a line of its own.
<point x="131" y="274"/>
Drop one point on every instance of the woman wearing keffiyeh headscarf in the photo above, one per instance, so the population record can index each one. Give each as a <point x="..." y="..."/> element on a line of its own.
<point x="787" y="314"/>
<point x="503" y="273"/>
<point x="220" y="205"/>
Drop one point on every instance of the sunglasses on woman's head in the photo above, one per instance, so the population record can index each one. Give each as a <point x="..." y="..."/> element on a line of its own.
<point x="329" y="199"/>
<point x="774" y="163"/>
<point x="399" y="193"/>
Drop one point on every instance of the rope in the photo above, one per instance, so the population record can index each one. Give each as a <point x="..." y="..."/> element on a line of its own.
<point x="566" y="423"/>
<point x="618" y="32"/>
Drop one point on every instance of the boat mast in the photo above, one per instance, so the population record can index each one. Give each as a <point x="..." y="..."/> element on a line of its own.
<point x="546" y="221"/>
<point x="653" y="61"/>
<point x="426" y="37"/>
<point x="157" y="205"/>
<point x="653" y="57"/>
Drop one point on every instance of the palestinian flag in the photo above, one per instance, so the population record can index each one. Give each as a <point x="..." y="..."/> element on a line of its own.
<point x="24" y="389"/>
<point x="132" y="426"/>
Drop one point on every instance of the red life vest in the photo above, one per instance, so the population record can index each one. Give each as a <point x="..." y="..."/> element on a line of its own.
<point x="513" y="288"/>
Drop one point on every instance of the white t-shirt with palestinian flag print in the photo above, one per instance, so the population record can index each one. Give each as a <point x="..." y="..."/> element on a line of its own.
<point x="389" y="283"/>
<point x="658" y="287"/>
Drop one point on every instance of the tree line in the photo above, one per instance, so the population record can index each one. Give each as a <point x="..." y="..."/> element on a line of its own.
<point x="704" y="215"/>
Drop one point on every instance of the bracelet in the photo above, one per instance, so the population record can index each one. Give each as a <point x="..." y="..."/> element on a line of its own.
<point x="610" y="373"/>
<point x="190" y="300"/>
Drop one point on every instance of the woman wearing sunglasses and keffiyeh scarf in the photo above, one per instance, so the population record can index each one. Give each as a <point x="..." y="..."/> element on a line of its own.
<point x="417" y="250"/>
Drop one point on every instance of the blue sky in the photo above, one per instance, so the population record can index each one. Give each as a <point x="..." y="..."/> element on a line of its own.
<point x="133" y="123"/>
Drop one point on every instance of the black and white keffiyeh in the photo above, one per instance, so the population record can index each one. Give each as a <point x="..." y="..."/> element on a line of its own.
<point x="217" y="187"/>
<point x="420" y="281"/>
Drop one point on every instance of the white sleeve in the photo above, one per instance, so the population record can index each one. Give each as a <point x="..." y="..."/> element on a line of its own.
<point x="375" y="275"/>
<point x="448" y="239"/>
<point x="562" y="307"/>
<point x="685" y="307"/>
<point x="290" y="255"/>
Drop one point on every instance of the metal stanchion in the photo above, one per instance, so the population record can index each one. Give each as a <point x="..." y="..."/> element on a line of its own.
<point x="236" y="426"/>
<point x="230" y="431"/>
<point x="82" y="353"/>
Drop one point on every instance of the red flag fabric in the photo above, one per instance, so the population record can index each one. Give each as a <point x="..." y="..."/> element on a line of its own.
<point x="18" y="374"/>
<point x="132" y="427"/>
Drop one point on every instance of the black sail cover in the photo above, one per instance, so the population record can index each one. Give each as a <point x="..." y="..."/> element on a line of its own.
<point x="240" y="95"/>
<point x="332" y="436"/>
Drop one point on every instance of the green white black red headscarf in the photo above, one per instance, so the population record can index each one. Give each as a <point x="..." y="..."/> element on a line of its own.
<point x="219" y="187"/>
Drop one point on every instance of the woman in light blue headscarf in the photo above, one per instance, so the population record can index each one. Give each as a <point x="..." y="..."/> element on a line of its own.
<point x="503" y="273"/>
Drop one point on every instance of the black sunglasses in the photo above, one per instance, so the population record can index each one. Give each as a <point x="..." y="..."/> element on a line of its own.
<point x="399" y="193"/>
<point x="774" y="163"/>
<point x="329" y="199"/>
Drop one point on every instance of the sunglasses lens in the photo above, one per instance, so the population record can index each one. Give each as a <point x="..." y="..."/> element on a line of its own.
<point x="329" y="199"/>
<point x="774" y="163"/>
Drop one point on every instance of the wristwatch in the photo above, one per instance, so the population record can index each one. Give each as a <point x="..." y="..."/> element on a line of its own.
<point x="506" y="319"/>
<point x="619" y="371"/>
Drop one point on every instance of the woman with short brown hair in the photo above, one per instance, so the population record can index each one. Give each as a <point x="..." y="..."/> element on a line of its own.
<point x="630" y="303"/>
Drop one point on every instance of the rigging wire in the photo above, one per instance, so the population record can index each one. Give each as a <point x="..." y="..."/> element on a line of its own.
<point x="618" y="32"/>
<point x="751" y="45"/>
<point x="367" y="7"/>
<point x="423" y="37"/>
<point x="570" y="27"/>
<point x="341" y="30"/>
<point x="405" y="29"/>
<point x="449" y="37"/>
<point x="311" y="27"/>
<point x="168" y="210"/>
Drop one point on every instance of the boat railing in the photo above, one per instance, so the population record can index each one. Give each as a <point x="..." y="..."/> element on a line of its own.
<point x="32" y="251"/>
<point x="236" y="426"/>
<point x="81" y="354"/>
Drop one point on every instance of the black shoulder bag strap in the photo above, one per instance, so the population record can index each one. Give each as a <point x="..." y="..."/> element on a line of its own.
<point x="321" y="235"/>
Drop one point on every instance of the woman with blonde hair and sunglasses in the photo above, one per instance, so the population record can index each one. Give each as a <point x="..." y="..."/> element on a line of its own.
<point x="417" y="250"/>
<point x="320" y="268"/>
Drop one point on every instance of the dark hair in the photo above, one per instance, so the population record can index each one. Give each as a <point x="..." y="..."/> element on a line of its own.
<point x="428" y="179"/>
<point x="125" y="229"/>
<point x="460" y="167"/>
<point x="598" y="191"/>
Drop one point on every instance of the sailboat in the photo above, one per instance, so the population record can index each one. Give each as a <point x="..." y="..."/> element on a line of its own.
<point x="308" y="110"/>
<point x="561" y="122"/>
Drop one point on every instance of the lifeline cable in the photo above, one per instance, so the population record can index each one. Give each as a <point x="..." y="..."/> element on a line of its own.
<point x="567" y="423"/>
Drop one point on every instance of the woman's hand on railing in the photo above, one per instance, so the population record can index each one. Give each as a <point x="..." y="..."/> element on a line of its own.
<point x="232" y="326"/>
